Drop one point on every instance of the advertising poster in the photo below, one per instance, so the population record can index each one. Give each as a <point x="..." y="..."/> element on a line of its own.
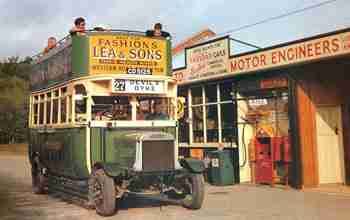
<point x="127" y="55"/>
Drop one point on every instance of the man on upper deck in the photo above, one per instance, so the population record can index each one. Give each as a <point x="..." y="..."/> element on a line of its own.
<point x="157" y="32"/>
<point x="79" y="28"/>
<point x="51" y="43"/>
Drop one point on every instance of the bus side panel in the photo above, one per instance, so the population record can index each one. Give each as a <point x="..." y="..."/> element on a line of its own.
<point x="79" y="148"/>
<point x="96" y="145"/>
<point x="64" y="152"/>
<point x="80" y="55"/>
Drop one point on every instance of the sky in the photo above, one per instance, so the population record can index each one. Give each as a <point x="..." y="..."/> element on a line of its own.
<point x="26" y="24"/>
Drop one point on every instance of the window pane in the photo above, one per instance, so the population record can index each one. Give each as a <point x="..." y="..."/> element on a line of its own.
<point x="55" y="111"/>
<point x="225" y="91"/>
<point x="48" y="111"/>
<point x="184" y="127"/>
<point x="80" y="106"/>
<point x="282" y="119"/>
<point x="41" y="113"/>
<point x="227" y="122"/>
<point x="70" y="109"/>
<point x="183" y="117"/>
<point x="154" y="109"/>
<point x="210" y="93"/>
<point x="197" y="97"/>
<point x="121" y="111"/>
<point x="110" y="108"/>
<point x="212" y="123"/>
<point x="198" y="134"/>
<point x="35" y="111"/>
<point x="63" y="110"/>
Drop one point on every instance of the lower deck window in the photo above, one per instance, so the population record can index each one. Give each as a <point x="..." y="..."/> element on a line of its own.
<point x="121" y="108"/>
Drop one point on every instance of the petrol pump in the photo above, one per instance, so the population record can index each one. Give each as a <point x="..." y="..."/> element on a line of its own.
<point x="269" y="150"/>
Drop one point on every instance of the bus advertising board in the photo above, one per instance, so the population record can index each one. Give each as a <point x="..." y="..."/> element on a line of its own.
<point x="127" y="54"/>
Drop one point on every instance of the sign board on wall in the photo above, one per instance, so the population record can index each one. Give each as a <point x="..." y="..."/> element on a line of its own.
<point x="127" y="54"/>
<point x="310" y="50"/>
<point x="207" y="60"/>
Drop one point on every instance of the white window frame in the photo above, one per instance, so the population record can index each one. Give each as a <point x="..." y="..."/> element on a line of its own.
<point x="204" y="105"/>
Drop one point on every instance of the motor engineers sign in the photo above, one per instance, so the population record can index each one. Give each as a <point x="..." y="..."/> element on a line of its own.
<point x="208" y="60"/>
<point x="311" y="50"/>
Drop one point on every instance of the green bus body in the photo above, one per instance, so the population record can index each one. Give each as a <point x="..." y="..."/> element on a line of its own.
<point x="116" y="128"/>
<point x="63" y="151"/>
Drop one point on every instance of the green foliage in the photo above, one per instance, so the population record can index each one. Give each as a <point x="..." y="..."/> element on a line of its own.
<point x="14" y="93"/>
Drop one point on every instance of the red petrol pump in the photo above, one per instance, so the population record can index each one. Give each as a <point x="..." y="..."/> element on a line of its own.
<point x="264" y="108"/>
<point x="268" y="152"/>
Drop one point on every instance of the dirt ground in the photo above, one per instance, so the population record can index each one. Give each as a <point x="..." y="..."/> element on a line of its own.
<point x="243" y="202"/>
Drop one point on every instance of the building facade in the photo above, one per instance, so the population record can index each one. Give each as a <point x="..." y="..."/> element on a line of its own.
<point x="282" y="111"/>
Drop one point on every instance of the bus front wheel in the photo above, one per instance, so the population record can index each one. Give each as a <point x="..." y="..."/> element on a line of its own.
<point x="194" y="191"/>
<point x="102" y="193"/>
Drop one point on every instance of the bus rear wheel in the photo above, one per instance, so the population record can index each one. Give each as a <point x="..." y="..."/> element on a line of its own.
<point x="102" y="193"/>
<point x="39" y="181"/>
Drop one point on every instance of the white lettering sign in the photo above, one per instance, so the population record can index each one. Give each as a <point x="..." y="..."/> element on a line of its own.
<point x="257" y="102"/>
<point x="138" y="86"/>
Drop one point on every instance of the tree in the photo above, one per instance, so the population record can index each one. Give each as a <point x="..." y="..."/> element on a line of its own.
<point x="14" y="90"/>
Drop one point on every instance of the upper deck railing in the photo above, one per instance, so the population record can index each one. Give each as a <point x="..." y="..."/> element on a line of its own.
<point x="101" y="52"/>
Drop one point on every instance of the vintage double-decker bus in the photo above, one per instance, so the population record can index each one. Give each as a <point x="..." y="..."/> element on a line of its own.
<point x="103" y="124"/>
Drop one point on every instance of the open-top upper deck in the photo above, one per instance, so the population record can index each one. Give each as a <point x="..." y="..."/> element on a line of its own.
<point x="112" y="52"/>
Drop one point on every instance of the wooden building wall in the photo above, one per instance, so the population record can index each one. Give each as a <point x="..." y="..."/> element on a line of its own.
<point x="321" y="84"/>
<point x="307" y="137"/>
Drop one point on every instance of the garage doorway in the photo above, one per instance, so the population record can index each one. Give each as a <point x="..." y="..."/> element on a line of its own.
<point x="330" y="148"/>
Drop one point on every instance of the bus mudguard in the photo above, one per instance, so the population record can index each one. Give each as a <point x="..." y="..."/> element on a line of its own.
<point x="193" y="165"/>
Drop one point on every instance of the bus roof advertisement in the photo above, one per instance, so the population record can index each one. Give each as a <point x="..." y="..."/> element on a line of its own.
<point x="127" y="55"/>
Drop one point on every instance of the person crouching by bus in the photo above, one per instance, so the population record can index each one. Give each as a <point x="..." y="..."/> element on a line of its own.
<point x="51" y="43"/>
<point x="157" y="32"/>
<point x="79" y="27"/>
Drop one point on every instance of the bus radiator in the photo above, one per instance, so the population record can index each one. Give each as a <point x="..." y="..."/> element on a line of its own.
<point x="158" y="155"/>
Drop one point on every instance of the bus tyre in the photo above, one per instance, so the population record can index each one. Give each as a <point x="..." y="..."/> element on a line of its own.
<point x="39" y="181"/>
<point x="102" y="193"/>
<point x="195" y="192"/>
